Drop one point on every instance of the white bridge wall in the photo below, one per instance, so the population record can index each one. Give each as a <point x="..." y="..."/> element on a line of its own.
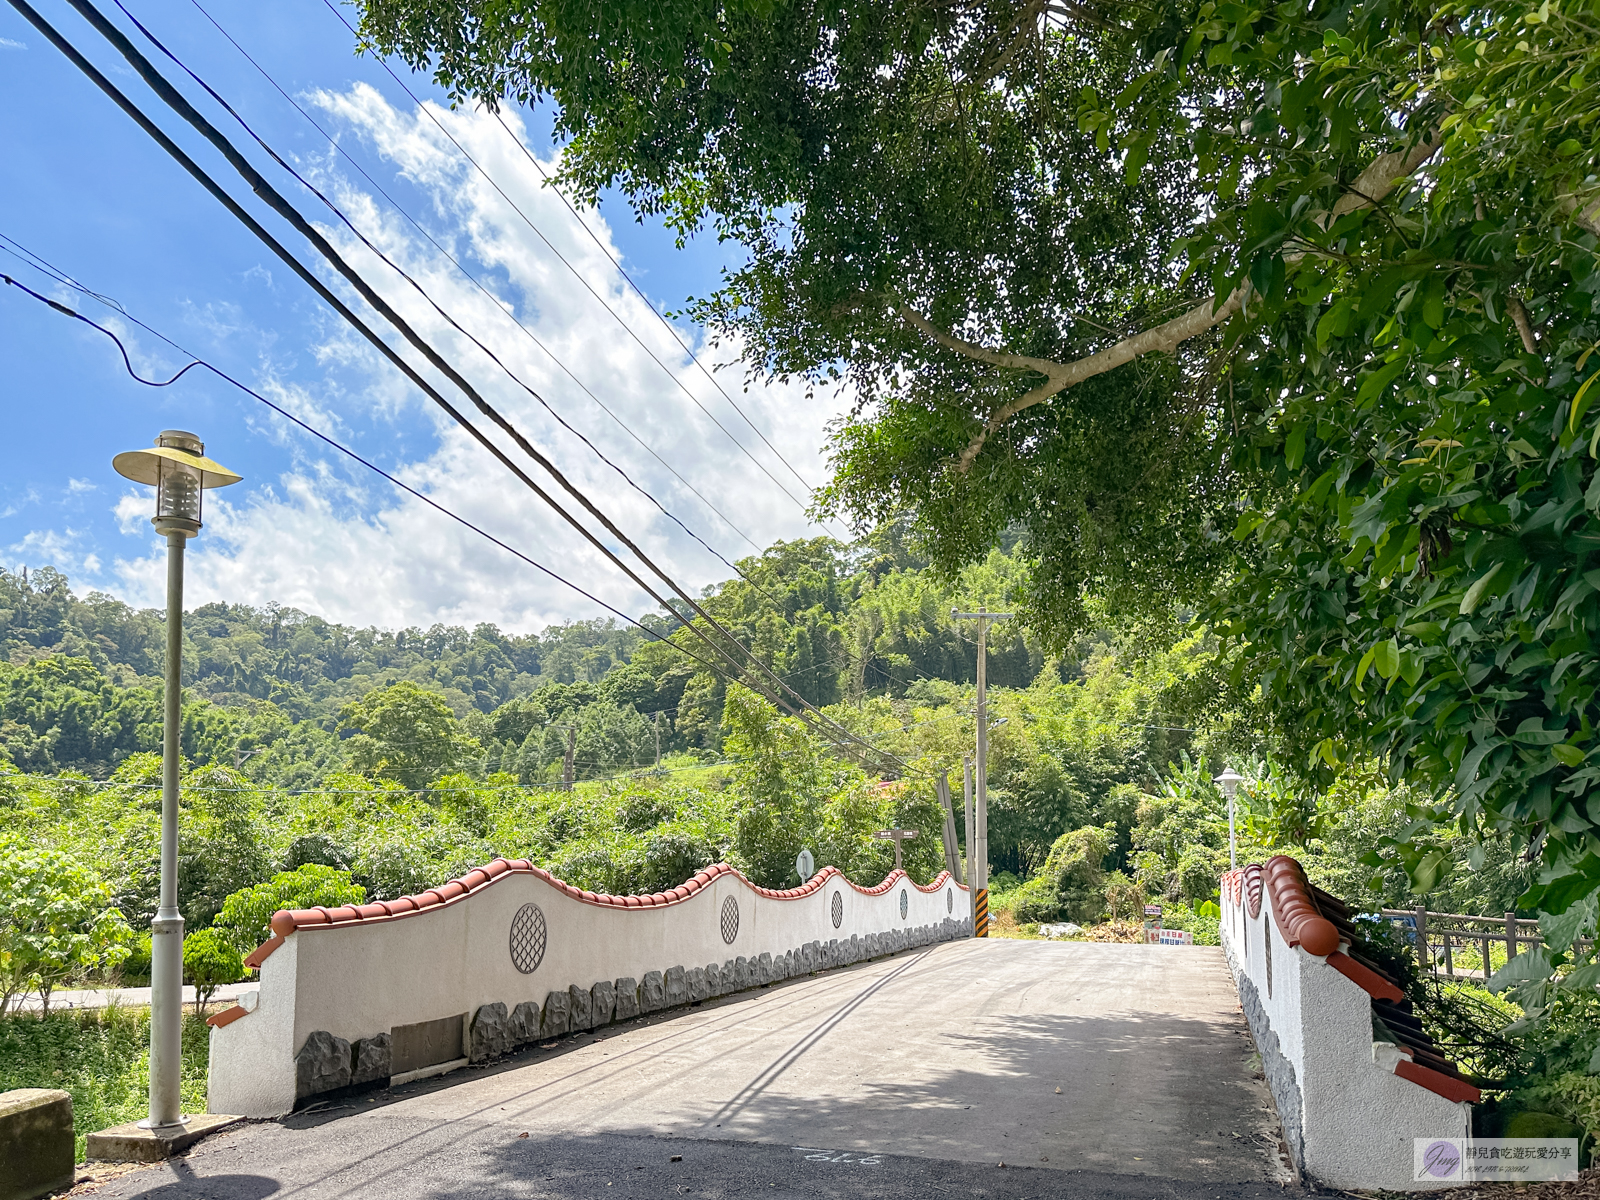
<point x="360" y="979"/>
<point x="1348" y="1120"/>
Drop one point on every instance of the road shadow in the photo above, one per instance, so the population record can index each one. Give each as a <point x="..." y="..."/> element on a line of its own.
<point x="623" y="1167"/>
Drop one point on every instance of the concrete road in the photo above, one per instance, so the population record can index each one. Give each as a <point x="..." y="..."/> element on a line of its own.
<point x="1085" y="1068"/>
<point x="127" y="997"/>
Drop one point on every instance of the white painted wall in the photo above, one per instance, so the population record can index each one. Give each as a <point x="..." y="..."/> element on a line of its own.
<point x="1358" y="1118"/>
<point x="360" y="979"/>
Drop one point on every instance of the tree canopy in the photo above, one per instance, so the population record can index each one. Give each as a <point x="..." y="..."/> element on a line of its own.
<point x="1114" y="274"/>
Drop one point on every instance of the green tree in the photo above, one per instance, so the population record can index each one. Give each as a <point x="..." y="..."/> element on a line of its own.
<point x="405" y="733"/>
<point x="1377" y="340"/>
<point x="245" y="920"/>
<point x="782" y="776"/>
<point x="56" y="923"/>
<point x="1071" y="884"/>
<point x="209" y="961"/>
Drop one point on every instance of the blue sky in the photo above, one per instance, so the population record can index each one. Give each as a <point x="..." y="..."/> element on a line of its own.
<point x="82" y="187"/>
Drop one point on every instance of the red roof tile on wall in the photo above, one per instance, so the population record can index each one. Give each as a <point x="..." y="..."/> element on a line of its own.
<point x="1447" y="1086"/>
<point x="285" y="921"/>
<point x="1295" y="912"/>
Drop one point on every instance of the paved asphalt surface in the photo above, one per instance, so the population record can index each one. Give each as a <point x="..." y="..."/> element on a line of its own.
<point x="1089" y="1070"/>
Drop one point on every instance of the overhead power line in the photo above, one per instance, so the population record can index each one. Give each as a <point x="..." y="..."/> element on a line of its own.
<point x="337" y="445"/>
<point x="276" y="201"/>
<point x="638" y="291"/>
<point x="45" y="267"/>
<point x="476" y="282"/>
<point x="428" y="298"/>
<point x="588" y="287"/>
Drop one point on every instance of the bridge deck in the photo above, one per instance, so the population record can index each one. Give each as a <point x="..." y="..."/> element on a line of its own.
<point x="952" y="1055"/>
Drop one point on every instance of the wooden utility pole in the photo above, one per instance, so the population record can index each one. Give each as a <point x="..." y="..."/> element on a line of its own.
<point x="952" y="849"/>
<point x="970" y="829"/>
<point x="566" y="762"/>
<point x="658" y="741"/>
<point x="980" y="875"/>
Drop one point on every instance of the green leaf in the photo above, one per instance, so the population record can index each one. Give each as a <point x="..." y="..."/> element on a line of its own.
<point x="1560" y="930"/>
<point x="1361" y="667"/>
<point x="1378" y="380"/>
<point x="1530" y="965"/>
<point x="1569" y="756"/>
<point x="1294" y="448"/>
<point x="1386" y="658"/>
<point x="1248" y="521"/>
<point x="1429" y="871"/>
<point x="1470" y="601"/>
<point x="1580" y="402"/>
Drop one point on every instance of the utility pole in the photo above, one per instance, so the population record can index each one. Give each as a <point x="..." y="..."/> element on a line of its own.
<point x="980" y="876"/>
<point x="566" y="762"/>
<point x="952" y="850"/>
<point x="971" y="829"/>
<point x="658" y="741"/>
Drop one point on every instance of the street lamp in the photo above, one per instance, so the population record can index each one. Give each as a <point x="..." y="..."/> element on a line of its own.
<point x="177" y="469"/>
<point x="1229" y="782"/>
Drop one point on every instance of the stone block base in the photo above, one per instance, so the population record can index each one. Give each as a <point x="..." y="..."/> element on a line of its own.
<point x="130" y="1143"/>
<point x="35" y="1142"/>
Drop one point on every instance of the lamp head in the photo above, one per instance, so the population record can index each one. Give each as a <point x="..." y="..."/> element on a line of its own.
<point x="1229" y="782"/>
<point x="179" y="471"/>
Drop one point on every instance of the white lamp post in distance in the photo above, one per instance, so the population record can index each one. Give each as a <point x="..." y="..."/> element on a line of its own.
<point x="179" y="471"/>
<point x="1229" y="782"/>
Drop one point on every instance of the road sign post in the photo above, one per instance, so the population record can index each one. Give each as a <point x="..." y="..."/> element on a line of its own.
<point x="896" y="836"/>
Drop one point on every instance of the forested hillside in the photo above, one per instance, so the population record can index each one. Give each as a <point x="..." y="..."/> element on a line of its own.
<point x="270" y="690"/>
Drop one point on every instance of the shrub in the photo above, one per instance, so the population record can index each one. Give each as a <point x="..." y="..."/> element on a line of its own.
<point x="1071" y="885"/>
<point x="1037" y="901"/>
<point x="56" y="922"/>
<point x="1124" y="897"/>
<point x="135" y="969"/>
<point x="209" y="961"/>
<point x="245" y="917"/>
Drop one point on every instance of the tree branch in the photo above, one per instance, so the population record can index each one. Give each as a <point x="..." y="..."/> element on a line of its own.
<point x="1587" y="215"/>
<point x="1519" y="318"/>
<point x="1370" y="188"/>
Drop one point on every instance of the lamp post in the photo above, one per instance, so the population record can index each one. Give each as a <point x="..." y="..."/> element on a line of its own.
<point x="1229" y="782"/>
<point x="179" y="471"/>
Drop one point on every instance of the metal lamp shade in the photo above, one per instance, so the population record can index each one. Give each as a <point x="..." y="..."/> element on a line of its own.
<point x="179" y="471"/>
<point x="1229" y="781"/>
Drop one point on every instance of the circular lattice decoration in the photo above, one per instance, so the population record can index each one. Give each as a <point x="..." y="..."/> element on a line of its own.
<point x="730" y="920"/>
<point x="950" y="900"/>
<point x="905" y="903"/>
<point x="838" y="910"/>
<point x="528" y="936"/>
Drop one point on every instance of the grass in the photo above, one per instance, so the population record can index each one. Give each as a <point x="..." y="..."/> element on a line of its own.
<point x="102" y="1058"/>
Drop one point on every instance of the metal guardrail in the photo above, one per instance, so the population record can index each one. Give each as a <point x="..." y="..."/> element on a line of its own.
<point x="1439" y="938"/>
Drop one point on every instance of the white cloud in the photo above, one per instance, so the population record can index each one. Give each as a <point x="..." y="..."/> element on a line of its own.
<point x="8" y="44"/>
<point x="63" y="550"/>
<point x="341" y="542"/>
<point x="78" y="486"/>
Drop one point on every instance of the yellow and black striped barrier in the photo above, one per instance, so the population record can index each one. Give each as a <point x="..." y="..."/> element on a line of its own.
<point x="980" y="914"/>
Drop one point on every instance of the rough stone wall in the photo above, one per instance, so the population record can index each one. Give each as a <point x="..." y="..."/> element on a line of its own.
<point x="1279" y="1071"/>
<point x="324" y="1062"/>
